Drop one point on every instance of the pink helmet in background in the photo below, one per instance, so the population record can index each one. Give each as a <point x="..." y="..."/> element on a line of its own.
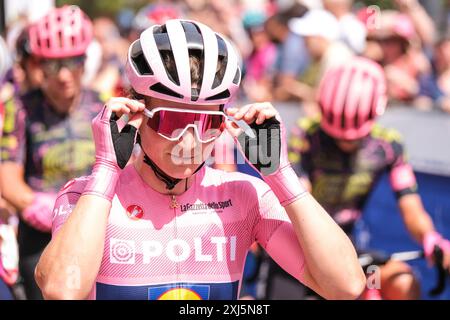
<point x="148" y="73"/>
<point x="403" y="27"/>
<point x="351" y="96"/>
<point x="388" y="23"/>
<point x="153" y="14"/>
<point x="64" y="32"/>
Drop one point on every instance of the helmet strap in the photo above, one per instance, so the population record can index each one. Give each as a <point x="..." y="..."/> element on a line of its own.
<point x="160" y="174"/>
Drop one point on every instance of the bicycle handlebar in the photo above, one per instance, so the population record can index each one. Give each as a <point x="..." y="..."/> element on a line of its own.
<point x="442" y="273"/>
<point x="379" y="259"/>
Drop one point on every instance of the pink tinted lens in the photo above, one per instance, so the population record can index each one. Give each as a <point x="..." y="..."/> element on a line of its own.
<point x="170" y="123"/>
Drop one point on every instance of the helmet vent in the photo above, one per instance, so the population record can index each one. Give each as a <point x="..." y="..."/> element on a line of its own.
<point x="221" y="62"/>
<point x="195" y="44"/>
<point x="237" y="77"/>
<point x="223" y="95"/>
<point x="141" y="65"/>
<point x="166" y="53"/>
<point x="159" y="87"/>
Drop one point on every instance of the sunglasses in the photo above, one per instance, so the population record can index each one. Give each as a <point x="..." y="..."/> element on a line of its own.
<point x="172" y="123"/>
<point x="53" y="66"/>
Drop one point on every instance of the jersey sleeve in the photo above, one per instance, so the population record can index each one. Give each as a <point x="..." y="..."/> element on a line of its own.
<point x="272" y="229"/>
<point x="66" y="201"/>
<point x="298" y="150"/>
<point x="13" y="140"/>
<point x="401" y="174"/>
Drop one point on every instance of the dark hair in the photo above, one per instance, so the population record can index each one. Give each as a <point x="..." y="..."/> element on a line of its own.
<point x="23" y="50"/>
<point x="195" y="61"/>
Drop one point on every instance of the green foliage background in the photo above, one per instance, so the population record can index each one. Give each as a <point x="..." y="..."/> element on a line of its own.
<point x="383" y="4"/>
<point x="95" y="8"/>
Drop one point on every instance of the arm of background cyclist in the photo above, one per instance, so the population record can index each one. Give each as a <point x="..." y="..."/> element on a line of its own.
<point x="404" y="185"/>
<point x="417" y="221"/>
<point x="12" y="147"/>
<point x="14" y="188"/>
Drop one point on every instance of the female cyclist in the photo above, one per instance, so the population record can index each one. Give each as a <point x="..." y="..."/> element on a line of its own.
<point x="167" y="227"/>
<point x="46" y="137"/>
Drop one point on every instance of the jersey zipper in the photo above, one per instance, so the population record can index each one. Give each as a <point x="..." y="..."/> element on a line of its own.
<point x="174" y="205"/>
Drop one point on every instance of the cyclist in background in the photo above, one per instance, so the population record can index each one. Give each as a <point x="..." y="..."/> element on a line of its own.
<point x="341" y="156"/>
<point x="47" y="137"/>
<point x="168" y="227"/>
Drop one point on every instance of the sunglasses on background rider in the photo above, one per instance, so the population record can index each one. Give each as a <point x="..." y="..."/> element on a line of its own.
<point x="172" y="123"/>
<point x="53" y="66"/>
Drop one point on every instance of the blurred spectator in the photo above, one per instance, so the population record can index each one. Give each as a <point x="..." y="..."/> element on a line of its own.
<point x="421" y="21"/>
<point x="435" y="86"/>
<point x="154" y="13"/>
<point x="311" y="4"/>
<point x="93" y="63"/>
<point x="124" y="19"/>
<point x="113" y="49"/>
<point x="257" y="82"/>
<point x="436" y="9"/>
<point x="394" y="45"/>
<point x="225" y="17"/>
<point x="353" y="32"/>
<point x="321" y="32"/>
<point x="293" y="58"/>
<point x="5" y="59"/>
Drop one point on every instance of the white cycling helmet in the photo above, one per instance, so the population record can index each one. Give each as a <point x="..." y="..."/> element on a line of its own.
<point x="148" y="73"/>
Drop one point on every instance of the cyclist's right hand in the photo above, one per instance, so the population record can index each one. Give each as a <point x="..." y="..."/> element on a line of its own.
<point x="114" y="147"/>
<point x="113" y="144"/>
<point x="434" y="239"/>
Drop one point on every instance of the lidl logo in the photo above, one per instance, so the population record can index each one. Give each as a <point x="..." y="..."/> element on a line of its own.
<point x="179" y="292"/>
<point x="169" y="291"/>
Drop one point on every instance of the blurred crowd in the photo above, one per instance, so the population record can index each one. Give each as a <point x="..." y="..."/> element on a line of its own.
<point x="286" y="46"/>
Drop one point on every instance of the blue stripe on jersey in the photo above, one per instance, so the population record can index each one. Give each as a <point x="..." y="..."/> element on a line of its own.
<point x="183" y="291"/>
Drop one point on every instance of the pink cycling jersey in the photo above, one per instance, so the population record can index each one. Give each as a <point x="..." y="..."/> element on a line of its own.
<point x="189" y="246"/>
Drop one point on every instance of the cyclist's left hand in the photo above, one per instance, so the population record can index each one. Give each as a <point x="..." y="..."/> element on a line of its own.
<point x="266" y="156"/>
<point x="267" y="150"/>
<point x="258" y="112"/>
